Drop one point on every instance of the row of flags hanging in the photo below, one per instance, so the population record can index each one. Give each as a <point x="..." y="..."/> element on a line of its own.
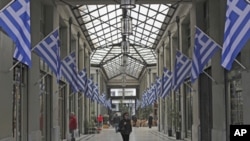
<point x="15" y="21"/>
<point x="185" y="69"/>
<point x="237" y="33"/>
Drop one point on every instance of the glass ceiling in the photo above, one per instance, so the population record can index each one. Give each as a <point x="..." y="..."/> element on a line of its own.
<point x="101" y="25"/>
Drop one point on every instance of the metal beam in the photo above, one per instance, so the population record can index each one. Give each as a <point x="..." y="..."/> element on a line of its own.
<point x="143" y="63"/>
<point x="103" y="63"/>
<point x="95" y="2"/>
<point x="139" y="55"/>
<point x="115" y="76"/>
<point x="131" y="76"/>
<point x="106" y="55"/>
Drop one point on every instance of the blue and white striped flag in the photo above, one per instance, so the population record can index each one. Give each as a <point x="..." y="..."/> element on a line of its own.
<point x="108" y="104"/>
<point x="48" y="49"/>
<point x="15" y="21"/>
<point x="89" y="87"/>
<point x="237" y="30"/>
<point x="151" y="94"/>
<point x="204" y="49"/>
<point x="102" y="98"/>
<point x="95" y="94"/>
<point x="159" y="86"/>
<point x="182" y="69"/>
<point x="167" y="82"/>
<point x="82" y="77"/>
<point x="69" y="71"/>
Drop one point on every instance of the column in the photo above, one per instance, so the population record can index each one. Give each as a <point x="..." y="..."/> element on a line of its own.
<point x="245" y="81"/>
<point x="196" y="109"/>
<point x="216" y="30"/>
<point x="6" y="86"/>
<point x="97" y="105"/>
<point x="185" y="49"/>
<point x="163" y="101"/>
<point x="52" y="22"/>
<point x="32" y="100"/>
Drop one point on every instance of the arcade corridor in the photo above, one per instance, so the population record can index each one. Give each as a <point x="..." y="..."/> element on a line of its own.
<point x="66" y="64"/>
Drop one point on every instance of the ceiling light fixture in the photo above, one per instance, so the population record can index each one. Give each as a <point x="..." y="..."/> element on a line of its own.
<point x="126" y="26"/>
<point x="127" y="4"/>
<point x="125" y="47"/>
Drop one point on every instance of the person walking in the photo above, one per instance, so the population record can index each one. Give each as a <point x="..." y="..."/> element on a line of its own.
<point x="100" y="121"/>
<point x="116" y="121"/>
<point x="125" y="127"/>
<point x="150" y="121"/>
<point x="72" y="125"/>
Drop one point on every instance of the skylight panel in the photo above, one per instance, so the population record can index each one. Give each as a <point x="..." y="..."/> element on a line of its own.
<point x="112" y="15"/>
<point x="148" y="27"/>
<point x="142" y="18"/>
<point x="104" y="27"/>
<point x="89" y="25"/>
<point x="152" y="13"/>
<point x="91" y="7"/>
<point x="150" y="21"/>
<point x="154" y="6"/>
<point x="157" y="24"/>
<point x="113" y="22"/>
<point x="111" y="8"/>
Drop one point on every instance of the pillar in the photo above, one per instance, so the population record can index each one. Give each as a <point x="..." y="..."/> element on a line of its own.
<point x="6" y="86"/>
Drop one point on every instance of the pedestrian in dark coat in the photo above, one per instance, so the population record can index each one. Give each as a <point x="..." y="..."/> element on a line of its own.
<point x="150" y="121"/>
<point x="125" y="127"/>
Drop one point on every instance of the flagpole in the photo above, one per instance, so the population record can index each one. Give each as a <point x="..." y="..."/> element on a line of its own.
<point x="189" y="86"/>
<point x="59" y="88"/>
<point x="30" y="50"/>
<point x="221" y="49"/>
<point x="209" y="76"/>
<point x="236" y="61"/>
<point x="7" y="5"/>
<point x="19" y="61"/>
<point x="41" y="78"/>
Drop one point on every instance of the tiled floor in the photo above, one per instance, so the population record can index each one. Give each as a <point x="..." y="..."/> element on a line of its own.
<point x="138" y="134"/>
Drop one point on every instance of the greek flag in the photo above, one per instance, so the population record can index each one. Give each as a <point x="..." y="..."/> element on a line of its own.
<point x="15" y="21"/>
<point x="108" y="104"/>
<point x="204" y="50"/>
<point x="95" y="95"/>
<point x="89" y="88"/>
<point x="151" y="94"/>
<point x="48" y="50"/>
<point x="237" y="30"/>
<point x="69" y="71"/>
<point x="158" y="85"/>
<point x="167" y="82"/>
<point x="82" y="80"/>
<point x="182" y="69"/>
<point x="102" y="98"/>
